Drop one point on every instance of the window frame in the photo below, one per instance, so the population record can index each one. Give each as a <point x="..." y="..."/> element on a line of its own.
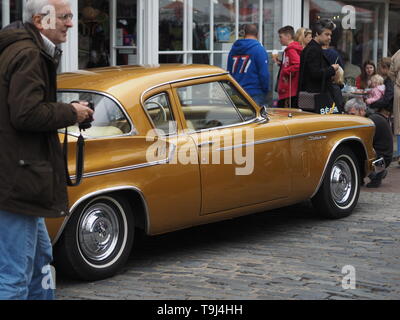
<point x="187" y="51"/>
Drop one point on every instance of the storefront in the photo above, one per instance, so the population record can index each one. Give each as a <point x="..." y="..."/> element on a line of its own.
<point x="119" y="32"/>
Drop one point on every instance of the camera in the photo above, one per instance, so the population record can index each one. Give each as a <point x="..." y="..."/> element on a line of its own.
<point x="88" y="122"/>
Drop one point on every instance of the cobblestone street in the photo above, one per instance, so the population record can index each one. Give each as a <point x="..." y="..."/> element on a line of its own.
<point x="284" y="254"/>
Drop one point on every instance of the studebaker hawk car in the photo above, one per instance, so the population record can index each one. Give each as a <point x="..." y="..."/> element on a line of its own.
<point x="175" y="146"/>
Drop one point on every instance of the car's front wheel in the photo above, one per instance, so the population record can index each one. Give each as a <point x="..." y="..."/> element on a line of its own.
<point x="97" y="240"/>
<point x="340" y="188"/>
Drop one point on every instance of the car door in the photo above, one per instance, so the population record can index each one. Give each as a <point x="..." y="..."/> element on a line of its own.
<point x="242" y="161"/>
<point x="175" y="199"/>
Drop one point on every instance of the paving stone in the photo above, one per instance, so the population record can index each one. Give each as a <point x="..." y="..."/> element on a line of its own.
<point x="284" y="254"/>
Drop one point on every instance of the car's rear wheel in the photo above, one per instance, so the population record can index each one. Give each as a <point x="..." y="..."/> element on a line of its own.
<point x="97" y="239"/>
<point x="340" y="188"/>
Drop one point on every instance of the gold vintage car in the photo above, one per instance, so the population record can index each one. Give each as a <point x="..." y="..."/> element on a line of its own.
<point x="175" y="146"/>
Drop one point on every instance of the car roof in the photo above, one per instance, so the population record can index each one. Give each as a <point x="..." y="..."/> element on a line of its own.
<point x="114" y="79"/>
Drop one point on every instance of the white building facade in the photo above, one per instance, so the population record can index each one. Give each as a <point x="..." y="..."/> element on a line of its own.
<point x="120" y="32"/>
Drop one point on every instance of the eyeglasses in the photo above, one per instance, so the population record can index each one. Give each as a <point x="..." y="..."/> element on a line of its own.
<point x="63" y="17"/>
<point x="66" y="17"/>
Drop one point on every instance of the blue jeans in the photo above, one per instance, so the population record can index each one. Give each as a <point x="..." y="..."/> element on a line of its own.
<point x="260" y="99"/>
<point x="398" y="145"/>
<point x="25" y="256"/>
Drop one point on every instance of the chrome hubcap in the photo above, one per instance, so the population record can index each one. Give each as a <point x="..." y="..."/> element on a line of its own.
<point x="341" y="182"/>
<point x="98" y="231"/>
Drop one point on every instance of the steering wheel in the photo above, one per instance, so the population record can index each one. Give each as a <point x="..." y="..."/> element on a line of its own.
<point x="159" y="106"/>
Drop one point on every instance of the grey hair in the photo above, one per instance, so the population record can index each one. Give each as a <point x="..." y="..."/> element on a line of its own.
<point x="319" y="26"/>
<point x="33" y="7"/>
<point x="355" y="103"/>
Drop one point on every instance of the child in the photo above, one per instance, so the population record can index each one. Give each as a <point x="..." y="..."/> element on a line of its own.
<point x="378" y="89"/>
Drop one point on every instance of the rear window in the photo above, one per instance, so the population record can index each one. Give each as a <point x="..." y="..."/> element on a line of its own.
<point x="109" y="119"/>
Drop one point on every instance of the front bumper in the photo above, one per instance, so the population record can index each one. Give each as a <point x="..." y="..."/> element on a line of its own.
<point x="378" y="165"/>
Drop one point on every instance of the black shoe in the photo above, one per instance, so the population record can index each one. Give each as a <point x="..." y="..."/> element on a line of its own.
<point x="374" y="184"/>
<point x="384" y="174"/>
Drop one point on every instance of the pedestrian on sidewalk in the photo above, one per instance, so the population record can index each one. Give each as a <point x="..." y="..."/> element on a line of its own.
<point x="288" y="79"/>
<point x="315" y="69"/>
<point x="368" y="70"/>
<point x="32" y="174"/>
<point x="303" y="36"/>
<point x="248" y="64"/>
<point x="337" y="84"/>
<point x="394" y="74"/>
<point x="385" y="104"/>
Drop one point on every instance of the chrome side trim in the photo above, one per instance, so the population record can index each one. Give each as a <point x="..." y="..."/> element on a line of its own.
<point x="307" y="134"/>
<point x="330" y="155"/>
<point x="100" y="192"/>
<point x="331" y="130"/>
<point x="133" y="129"/>
<point x="132" y="167"/>
<point x="255" y="143"/>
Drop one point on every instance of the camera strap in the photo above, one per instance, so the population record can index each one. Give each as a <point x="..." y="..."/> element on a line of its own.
<point x="80" y="149"/>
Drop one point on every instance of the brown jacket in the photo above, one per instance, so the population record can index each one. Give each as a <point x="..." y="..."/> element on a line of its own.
<point x="32" y="176"/>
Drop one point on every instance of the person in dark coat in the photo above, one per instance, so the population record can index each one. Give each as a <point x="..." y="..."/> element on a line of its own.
<point x="383" y="138"/>
<point x="314" y="66"/>
<point x="32" y="174"/>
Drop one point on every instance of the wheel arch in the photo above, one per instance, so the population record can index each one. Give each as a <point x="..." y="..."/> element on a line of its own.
<point x="357" y="145"/>
<point x="132" y="194"/>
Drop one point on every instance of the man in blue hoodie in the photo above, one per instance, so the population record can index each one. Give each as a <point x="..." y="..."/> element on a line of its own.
<point x="248" y="64"/>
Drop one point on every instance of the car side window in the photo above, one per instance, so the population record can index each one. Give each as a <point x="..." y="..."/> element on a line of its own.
<point x="109" y="119"/>
<point x="160" y="112"/>
<point x="207" y="105"/>
<point x="245" y="108"/>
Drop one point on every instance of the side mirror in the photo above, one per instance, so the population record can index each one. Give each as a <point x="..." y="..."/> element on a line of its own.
<point x="264" y="113"/>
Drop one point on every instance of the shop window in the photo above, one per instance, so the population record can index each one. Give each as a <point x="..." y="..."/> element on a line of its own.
<point x="224" y="24"/>
<point x="365" y="41"/>
<point x="15" y="10"/>
<point x="94" y="33"/>
<point x="201" y="30"/>
<point x="10" y="11"/>
<point x="248" y="14"/>
<point x="210" y="38"/>
<point x="125" y="39"/>
<point x="394" y="28"/>
<point x="171" y="29"/>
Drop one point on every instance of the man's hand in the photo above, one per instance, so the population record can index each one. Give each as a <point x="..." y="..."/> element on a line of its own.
<point x="83" y="111"/>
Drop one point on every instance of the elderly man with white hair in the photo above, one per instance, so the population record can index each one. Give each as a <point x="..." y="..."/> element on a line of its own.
<point x="32" y="169"/>
<point x="383" y="138"/>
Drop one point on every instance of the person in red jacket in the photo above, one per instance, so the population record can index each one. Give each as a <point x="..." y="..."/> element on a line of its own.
<point x="288" y="79"/>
